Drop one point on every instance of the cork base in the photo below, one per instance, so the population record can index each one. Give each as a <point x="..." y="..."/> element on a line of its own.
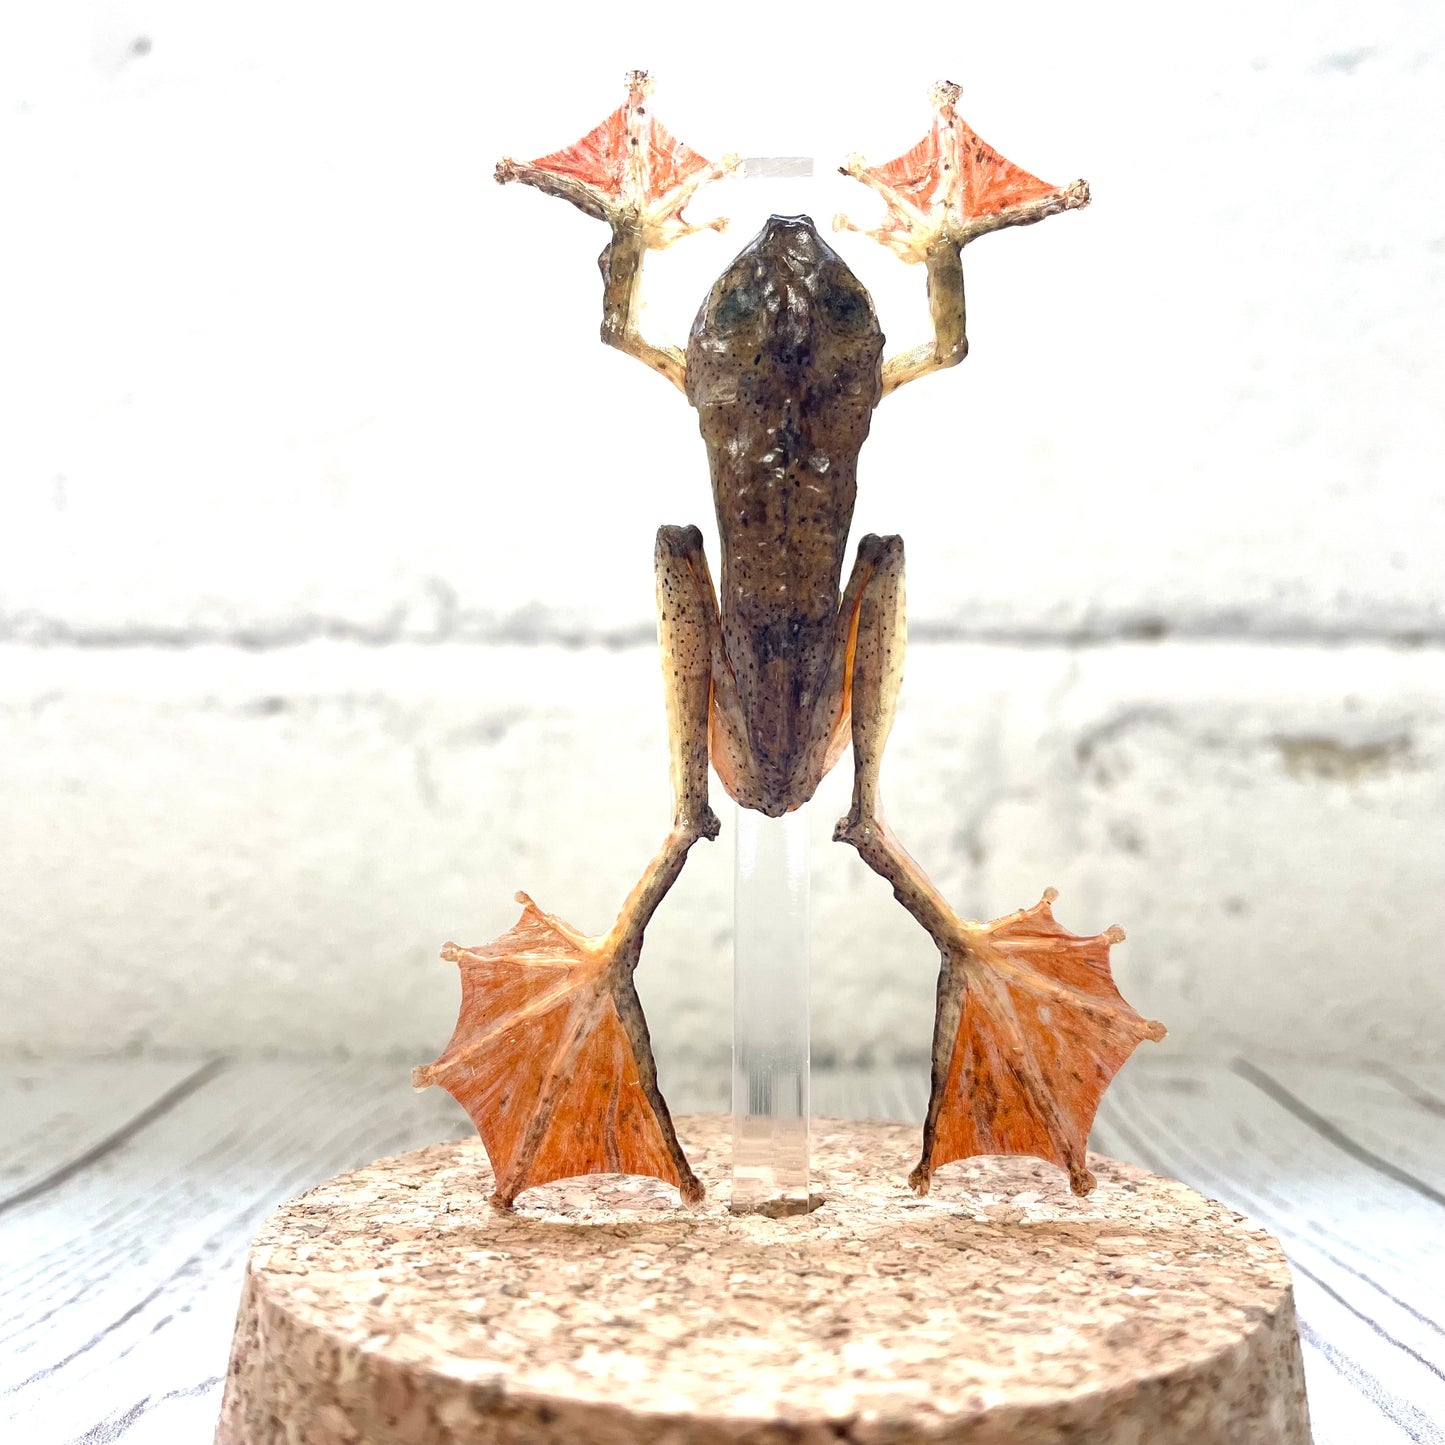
<point x="392" y="1306"/>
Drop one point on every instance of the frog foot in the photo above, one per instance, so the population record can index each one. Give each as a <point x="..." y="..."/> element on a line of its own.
<point x="551" y="1060"/>
<point x="630" y="171"/>
<point x="952" y="187"/>
<point x="1030" y="1030"/>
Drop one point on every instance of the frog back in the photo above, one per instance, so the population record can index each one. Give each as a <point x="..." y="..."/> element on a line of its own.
<point x="784" y="367"/>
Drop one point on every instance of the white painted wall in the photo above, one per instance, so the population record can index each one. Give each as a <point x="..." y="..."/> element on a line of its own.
<point x="325" y="523"/>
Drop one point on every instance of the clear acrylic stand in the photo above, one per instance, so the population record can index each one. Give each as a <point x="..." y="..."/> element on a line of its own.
<point x="770" y="1015"/>
<point x="771" y="956"/>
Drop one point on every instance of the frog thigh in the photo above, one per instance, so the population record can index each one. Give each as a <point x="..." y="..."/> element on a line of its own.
<point x="876" y="579"/>
<point x="689" y="628"/>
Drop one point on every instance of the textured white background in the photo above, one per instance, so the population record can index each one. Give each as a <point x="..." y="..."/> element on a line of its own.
<point x="325" y="522"/>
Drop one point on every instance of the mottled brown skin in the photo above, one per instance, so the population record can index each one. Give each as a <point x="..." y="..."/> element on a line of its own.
<point x="784" y="367"/>
<point x="770" y="680"/>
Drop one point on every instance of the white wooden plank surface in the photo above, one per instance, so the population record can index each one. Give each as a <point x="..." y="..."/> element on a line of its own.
<point x="134" y="1187"/>
<point x="1425" y="1083"/>
<point x="1379" y="1114"/>
<point x="57" y="1117"/>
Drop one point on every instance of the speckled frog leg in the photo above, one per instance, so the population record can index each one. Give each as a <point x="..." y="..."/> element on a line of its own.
<point x="551" y="1055"/>
<point x="1029" y="1028"/>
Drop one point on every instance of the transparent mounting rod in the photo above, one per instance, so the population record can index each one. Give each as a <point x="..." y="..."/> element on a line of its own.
<point x="771" y="955"/>
<point x="770" y="1014"/>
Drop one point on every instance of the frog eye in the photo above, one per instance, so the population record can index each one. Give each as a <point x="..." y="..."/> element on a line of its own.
<point x="846" y="309"/>
<point x="737" y="308"/>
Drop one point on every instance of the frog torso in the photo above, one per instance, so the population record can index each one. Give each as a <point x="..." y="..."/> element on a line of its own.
<point x="784" y="367"/>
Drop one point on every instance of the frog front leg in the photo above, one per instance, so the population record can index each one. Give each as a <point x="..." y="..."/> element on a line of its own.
<point x="1029" y="1027"/>
<point x="551" y="1056"/>
<point x="631" y="172"/>
<point x="948" y="190"/>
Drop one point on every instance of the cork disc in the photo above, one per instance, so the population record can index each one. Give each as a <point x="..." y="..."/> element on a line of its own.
<point x="392" y="1306"/>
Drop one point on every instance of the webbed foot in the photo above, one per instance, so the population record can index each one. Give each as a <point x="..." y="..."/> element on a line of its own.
<point x="630" y="171"/>
<point x="1030" y="1030"/>
<point x="551" y="1059"/>
<point x="953" y="186"/>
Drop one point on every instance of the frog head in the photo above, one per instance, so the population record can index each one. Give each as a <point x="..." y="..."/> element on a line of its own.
<point x="787" y="334"/>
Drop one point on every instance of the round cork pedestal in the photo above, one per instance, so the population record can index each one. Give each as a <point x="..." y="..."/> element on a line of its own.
<point x="393" y="1306"/>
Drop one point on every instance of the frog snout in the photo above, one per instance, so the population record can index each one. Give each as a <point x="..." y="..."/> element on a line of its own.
<point x="795" y="225"/>
<point x="791" y="241"/>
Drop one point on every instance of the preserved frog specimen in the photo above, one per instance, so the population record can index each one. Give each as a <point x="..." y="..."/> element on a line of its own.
<point x="771" y="678"/>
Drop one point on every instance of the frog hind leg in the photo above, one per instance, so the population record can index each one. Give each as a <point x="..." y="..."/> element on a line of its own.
<point x="551" y="1056"/>
<point x="1029" y="1027"/>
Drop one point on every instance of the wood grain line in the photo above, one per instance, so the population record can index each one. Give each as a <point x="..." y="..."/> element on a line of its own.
<point x="108" y="1431"/>
<point x="1335" y="1135"/>
<point x="1410" y="1089"/>
<point x="1374" y="1325"/>
<point x="1415" y="1423"/>
<point x="176" y="1094"/>
<point x="100" y="1335"/>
